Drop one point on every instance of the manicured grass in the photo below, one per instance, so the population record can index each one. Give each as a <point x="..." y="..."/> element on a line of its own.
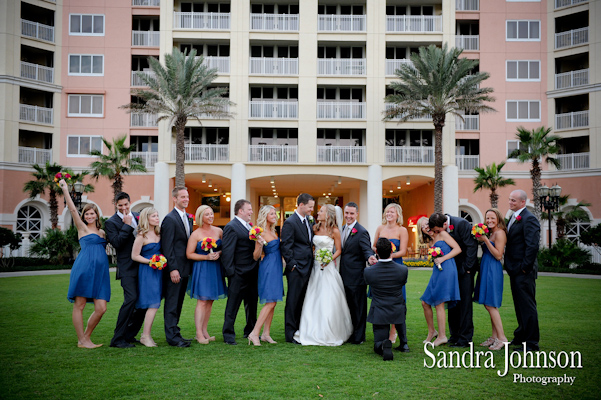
<point x="40" y="359"/>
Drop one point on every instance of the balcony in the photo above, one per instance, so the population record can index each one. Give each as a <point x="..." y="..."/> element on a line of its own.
<point x="571" y="38"/>
<point x="142" y="120"/>
<point x="274" y="22"/>
<point x="341" y="66"/>
<point x="221" y="63"/>
<point x="421" y="155"/>
<point x="340" y="154"/>
<point x="567" y="3"/>
<point x="149" y="158"/>
<point x="146" y="3"/>
<point x="273" y="66"/>
<point x="427" y="117"/>
<point x="205" y="152"/>
<point x="393" y="65"/>
<point x="268" y="153"/>
<point x="137" y="81"/>
<point x="414" y="23"/>
<point x="467" y="42"/>
<point x="571" y="79"/>
<point x="32" y="155"/>
<point x="571" y="120"/>
<point x="341" y="23"/>
<point x="467" y="5"/>
<point x="37" y="72"/>
<point x="574" y="161"/>
<point x="469" y="123"/>
<point x="466" y="162"/>
<point x="201" y="21"/>
<point x="37" y="31"/>
<point x="341" y="110"/>
<point x="35" y="114"/>
<point x="273" y="109"/>
<point x="145" y="38"/>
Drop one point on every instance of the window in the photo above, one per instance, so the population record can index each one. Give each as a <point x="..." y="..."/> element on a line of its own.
<point x="273" y="137"/>
<point x="86" y="24"/>
<point x="29" y="220"/>
<point x="523" y="30"/>
<point x="467" y="216"/>
<point x="198" y="135"/>
<point x="575" y="229"/>
<point x="86" y="64"/>
<point x="522" y="110"/>
<point x="86" y="105"/>
<point x="523" y="70"/>
<point x="82" y="145"/>
<point x="512" y="145"/>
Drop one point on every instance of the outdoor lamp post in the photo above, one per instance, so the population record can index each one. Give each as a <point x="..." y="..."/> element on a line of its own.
<point x="549" y="202"/>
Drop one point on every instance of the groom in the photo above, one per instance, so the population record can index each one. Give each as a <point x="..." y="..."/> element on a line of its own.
<point x="297" y="249"/>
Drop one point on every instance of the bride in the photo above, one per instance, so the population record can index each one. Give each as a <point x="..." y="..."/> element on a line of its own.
<point x="325" y="319"/>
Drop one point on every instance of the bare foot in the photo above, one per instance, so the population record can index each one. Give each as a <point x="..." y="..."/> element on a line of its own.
<point x="87" y="345"/>
<point x="440" y="341"/>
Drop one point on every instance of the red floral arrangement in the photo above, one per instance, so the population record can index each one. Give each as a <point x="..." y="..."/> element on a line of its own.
<point x="518" y="218"/>
<point x="158" y="261"/>
<point x="451" y="228"/>
<point x="354" y="231"/>
<point x="66" y="176"/>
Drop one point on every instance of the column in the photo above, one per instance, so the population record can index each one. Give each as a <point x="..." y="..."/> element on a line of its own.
<point x="238" y="185"/>
<point x="450" y="191"/>
<point x="161" y="188"/>
<point x="374" y="198"/>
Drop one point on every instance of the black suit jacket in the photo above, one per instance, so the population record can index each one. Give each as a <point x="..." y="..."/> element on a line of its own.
<point x="296" y="245"/>
<point x="386" y="280"/>
<point x="522" y="245"/>
<point x="121" y="237"/>
<point x="237" y="249"/>
<point x="174" y="242"/>
<point x="467" y="260"/>
<point x="355" y="253"/>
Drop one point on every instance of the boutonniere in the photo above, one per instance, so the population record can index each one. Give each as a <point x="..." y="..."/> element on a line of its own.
<point x="451" y="228"/>
<point x="353" y="231"/>
<point x="190" y="218"/>
<point x="310" y="218"/>
<point x="137" y="217"/>
<point x="518" y="218"/>
<point x="250" y="223"/>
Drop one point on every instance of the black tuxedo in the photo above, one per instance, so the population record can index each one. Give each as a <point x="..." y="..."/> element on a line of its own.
<point x="130" y="320"/>
<point x="522" y="267"/>
<point x="296" y="246"/>
<point x="461" y="322"/>
<point x="242" y="272"/>
<point x="386" y="280"/>
<point x="355" y="253"/>
<point x="174" y="241"/>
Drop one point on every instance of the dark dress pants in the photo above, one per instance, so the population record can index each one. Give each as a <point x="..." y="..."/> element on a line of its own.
<point x="523" y="290"/>
<point x="356" y="297"/>
<point x="241" y="287"/>
<point x="381" y="333"/>
<point x="174" y="300"/>
<point x="461" y="323"/>
<point x="297" y="288"/>
<point x="130" y="319"/>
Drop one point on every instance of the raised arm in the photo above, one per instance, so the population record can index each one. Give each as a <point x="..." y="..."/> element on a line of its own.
<point x="82" y="229"/>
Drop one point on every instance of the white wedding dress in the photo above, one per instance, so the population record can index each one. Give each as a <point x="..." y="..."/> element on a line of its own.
<point x="325" y="319"/>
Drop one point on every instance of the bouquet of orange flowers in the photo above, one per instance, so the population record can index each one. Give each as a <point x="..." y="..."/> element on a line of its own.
<point x="435" y="252"/>
<point x="208" y="244"/>
<point x="66" y="176"/>
<point x="480" y="230"/>
<point x="393" y="248"/>
<point x="158" y="261"/>
<point x="255" y="233"/>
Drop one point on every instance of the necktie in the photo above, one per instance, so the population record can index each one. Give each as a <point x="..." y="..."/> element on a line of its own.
<point x="186" y="224"/>
<point x="308" y="229"/>
<point x="346" y="234"/>
<point x="511" y="221"/>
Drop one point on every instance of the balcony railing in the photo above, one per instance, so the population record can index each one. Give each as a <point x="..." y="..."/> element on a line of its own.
<point x="201" y="21"/>
<point x="426" y="117"/>
<point x="37" y="72"/>
<point x="273" y="109"/>
<point x="467" y="5"/>
<point x="269" y="153"/>
<point x="136" y="80"/>
<point x="205" y="152"/>
<point x="341" y="66"/>
<point x="340" y="154"/>
<point x="393" y="65"/>
<point x="469" y="123"/>
<point x="341" y="23"/>
<point x="146" y="3"/>
<point x="31" y="155"/>
<point x="467" y="162"/>
<point x="149" y="158"/>
<point x="37" y="30"/>
<point x="414" y="23"/>
<point x="340" y="110"/>
<point x="571" y="120"/>
<point x="274" y="22"/>
<point x="142" y="120"/>
<point x="571" y="79"/>
<point x="221" y="63"/>
<point x="145" y="38"/>
<point x="273" y="66"/>
<point x="566" y="3"/>
<point x="40" y="115"/>
<point x="571" y="38"/>
<point x="467" y="42"/>
<point x="574" y="160"/>
<point x="410" y="154"/>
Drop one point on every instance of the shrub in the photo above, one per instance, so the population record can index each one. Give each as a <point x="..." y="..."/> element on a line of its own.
<point x="13" y="241"/>
<point x="57" y="246"/>
<point x="563" y="254"/>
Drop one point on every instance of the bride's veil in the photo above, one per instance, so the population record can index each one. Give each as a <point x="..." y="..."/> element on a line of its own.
<point x="339" y="223"/>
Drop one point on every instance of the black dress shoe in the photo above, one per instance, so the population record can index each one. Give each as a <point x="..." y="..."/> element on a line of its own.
<point x="403" y="348"/>
<point x="181" y="343"/>
<point x="387" y="350"/>
<point x="231" y="342"/>
<point x="460" y="345"/>
<point x="360" y="342"/>
<point x="123" y="345"/>
<point x="294" y="341"/>
<point x="188" y="340"/>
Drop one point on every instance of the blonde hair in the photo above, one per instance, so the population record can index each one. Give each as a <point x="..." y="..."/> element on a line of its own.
<point x="144" y="225"/>
<point x="91" y="206"/>
<point x="330" y="221"/>
<point x="200" y="214"/>
<point x="399" y="213"/>
<point x="422" y="237"/>
<point x="262" y="217"/>
<point x="500" y="220"/>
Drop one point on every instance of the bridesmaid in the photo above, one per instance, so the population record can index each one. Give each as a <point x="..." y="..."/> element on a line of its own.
<point x="207" y="282"/>
<point x="392" y="229"/>
<point x="443" y="286"/>
<point x="271" y="284"/>
<point x="150" y="283"/>
<point x="489" y="285"/>
<point x="89" y="280"/>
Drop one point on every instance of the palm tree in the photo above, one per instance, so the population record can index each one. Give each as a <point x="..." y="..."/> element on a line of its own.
<point x="44" y="181"/>
<point x="534" y="146"/>
<point x="178" y="91"/>
<point x="116" y="163"/>
<point x="438" y="83"/>
<point x="490" y="177"/>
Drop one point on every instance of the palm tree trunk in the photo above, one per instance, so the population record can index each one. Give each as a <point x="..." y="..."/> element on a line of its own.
<point x="117" y="187"/>
<point x="494" y="198"/>
<point x="53" y="205"/>
<point x="180" y="154"/>
<point x="535" y="174"/>
<point x="438" y="187"/>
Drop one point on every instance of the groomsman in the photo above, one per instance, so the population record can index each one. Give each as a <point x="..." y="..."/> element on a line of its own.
<point x="296" y="247"/>
<point x="175" y="231"/>
<point x="386" y="279"/>
<point x="356" y="252"/>
<point x="241" y="269"/>
<point x="520" y="262"/>
<point x="461" y="323"/>
<point x="121" y="232"/>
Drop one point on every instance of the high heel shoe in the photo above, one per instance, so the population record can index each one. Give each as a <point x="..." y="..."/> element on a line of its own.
<point x="440" y="341"/>
<point x="488" y="342"/>
<point x="202" y="340"/>
<point x="254" y="339"/>
<point x="267" y="339"/>
<point x="147" y="341"/>
<point x="430" y="338"/>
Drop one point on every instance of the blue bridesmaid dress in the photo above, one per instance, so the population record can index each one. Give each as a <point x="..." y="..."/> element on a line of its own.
<point x="150" y="282"/>
<point x="90" y="273"/>
<point x="271" y="283"/>
<point x="207" y="281"/>
<point x="399" y="260"/>
<point x="489" y="285"/>
<point x="443" y="286"/>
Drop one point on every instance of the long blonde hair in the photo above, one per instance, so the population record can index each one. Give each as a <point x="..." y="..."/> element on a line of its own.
<point x="422" y="237"/>
<point x="200" y="214"/>
<point x="330" y="221"/>
<point x="399" y="213"/>
<point x="262" y="217"/>
<point x="144" y="225"/>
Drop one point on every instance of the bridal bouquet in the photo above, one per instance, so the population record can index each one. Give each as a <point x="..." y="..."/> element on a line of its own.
<point x="435" y="252"/>
<point x="324" y="256"/>
<point x="208" y="244"/>
<point x="480" y="230"/>
<point x="158" y="261"/>
<point x="66" y="176"/>
<point x="255" y="233"/>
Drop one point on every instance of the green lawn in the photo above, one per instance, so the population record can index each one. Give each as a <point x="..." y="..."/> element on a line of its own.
<point x="40" y="358"/>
